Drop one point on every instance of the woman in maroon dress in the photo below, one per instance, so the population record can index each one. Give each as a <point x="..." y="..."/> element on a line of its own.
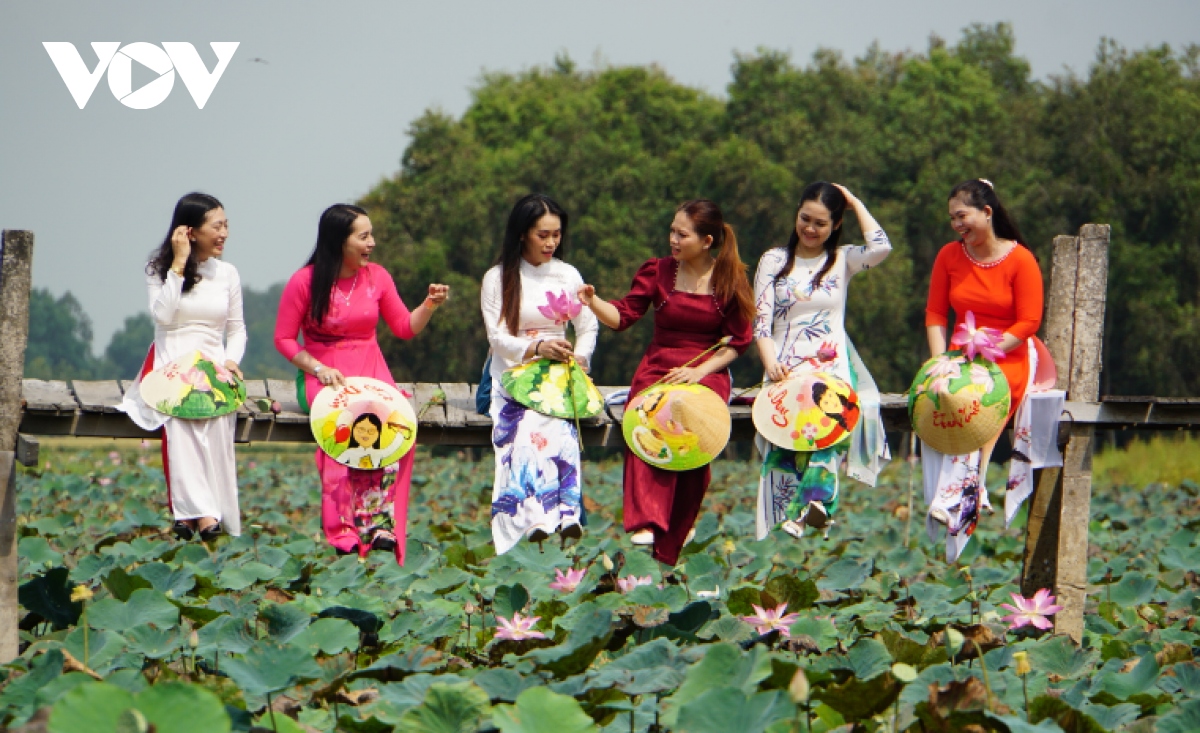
<point x="699" y="299"/>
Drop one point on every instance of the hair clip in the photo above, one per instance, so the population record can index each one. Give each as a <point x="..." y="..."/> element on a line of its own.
<point x="989" y="183"/>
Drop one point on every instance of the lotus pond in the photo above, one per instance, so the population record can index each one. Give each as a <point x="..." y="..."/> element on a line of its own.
<point x="126" y="628"/>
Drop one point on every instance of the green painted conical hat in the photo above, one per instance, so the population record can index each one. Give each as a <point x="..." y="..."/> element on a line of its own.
<point x="554" y="388"/>
<point x="956" y="404"/>
<point x="193" y="387"/>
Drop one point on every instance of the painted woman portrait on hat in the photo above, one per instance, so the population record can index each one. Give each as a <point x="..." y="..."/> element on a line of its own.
<point x="801" y="290"/>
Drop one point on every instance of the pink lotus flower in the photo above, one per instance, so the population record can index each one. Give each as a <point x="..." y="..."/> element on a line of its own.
<point x="981" y="376"/>
<point x="560" y="308"/>
<point x="104" y="481"/>
<point x="765" y="621"/>
<point x="114" y="458"/>
<point x="569" y="582"/>
<point x="827" y="352"/>
<point x="1031" y="611"/>
<point x="223" y="374"/>
<point x="947" y="366"/>
<point x="519" y="628"/>
<point x="630" y="582"/>
<point x="197" y="379"/>
<point x="941" y="385"/>
<point x="982" y="341"/>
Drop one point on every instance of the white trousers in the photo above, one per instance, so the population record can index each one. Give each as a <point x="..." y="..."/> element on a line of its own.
<point x="203" y="470"/>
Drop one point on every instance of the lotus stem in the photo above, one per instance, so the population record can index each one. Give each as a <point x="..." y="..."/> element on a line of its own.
<point x="986" y="684"/>
<point x="723" y="342"/>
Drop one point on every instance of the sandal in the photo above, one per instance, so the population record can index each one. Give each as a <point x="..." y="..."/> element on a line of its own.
<point x="642" y="537"/>
<point x="211" y="532"/>
<point x="183" y="531"/>
<point x="383" y="542"/>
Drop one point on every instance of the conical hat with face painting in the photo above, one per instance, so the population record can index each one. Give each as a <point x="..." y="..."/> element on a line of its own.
<point x="336" y="412"/>
<point x="807" y="412"/>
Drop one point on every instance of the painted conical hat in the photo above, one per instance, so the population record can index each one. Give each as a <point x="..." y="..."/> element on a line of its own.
<point x="554" y="388"/>
<point x="677" y="427"/>
<point x="807" y="412"/>
<point x="338" y="424"/>
<point x="193" y="387"/>
<point x="957" y="405"/>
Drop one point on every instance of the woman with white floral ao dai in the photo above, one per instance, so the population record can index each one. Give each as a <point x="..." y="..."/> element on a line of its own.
<point x="527" y="299"/>
<point x="800" y="299"/>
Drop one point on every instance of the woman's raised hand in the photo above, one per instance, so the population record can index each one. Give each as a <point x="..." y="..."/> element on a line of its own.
<point x="438" y="294"/>
<point x="586" y="293"/>
<point x="851" y="199"/>
<point x="181" y="245"/>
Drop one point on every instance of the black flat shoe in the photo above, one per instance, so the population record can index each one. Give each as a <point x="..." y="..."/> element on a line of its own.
<point x="211" y="532"/>
<point x="572" y="531"/>
<point x="383" y="543"/>
<point x="182" y="531"/>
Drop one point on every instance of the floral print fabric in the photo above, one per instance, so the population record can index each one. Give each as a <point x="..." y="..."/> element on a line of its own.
<point x="537" y="473"/>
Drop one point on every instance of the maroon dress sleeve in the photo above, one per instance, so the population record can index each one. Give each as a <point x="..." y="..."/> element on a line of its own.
<point x="641" y="295"/>
<point x="739" y="330"/>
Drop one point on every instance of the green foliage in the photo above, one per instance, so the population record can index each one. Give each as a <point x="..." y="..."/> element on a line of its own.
<point x="279" y="619"/>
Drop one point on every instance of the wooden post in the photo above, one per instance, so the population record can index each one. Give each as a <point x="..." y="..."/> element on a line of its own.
<point x="16" y="261"/>
<point x="1056" y="542"/>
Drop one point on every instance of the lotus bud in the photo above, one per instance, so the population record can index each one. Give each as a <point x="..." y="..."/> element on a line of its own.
<point x="193" y="639"/>
<point x="1022" y="661"/>
<point x="470" y="609"/>
<point x="81" y="593"/>
<point x="724" y="341"/>
<point x="169" y="593"/>
<point x="606" y="561"/>
<point x="728" y="547"/>
<point x="798" y="688"/>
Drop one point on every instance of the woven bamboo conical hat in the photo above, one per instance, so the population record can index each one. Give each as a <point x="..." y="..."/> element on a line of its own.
<point x="193" y="387"/>
<point x="956" y="406"/>
<point x="677" y="427"/>
<point x="336" y="410"/>
<point x="787" y="413"/>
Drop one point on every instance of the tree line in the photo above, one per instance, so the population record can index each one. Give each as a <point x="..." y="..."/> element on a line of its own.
<point x="621" y="147"/>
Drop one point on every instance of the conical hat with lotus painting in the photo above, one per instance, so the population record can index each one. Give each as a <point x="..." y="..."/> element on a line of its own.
<point x="193" y="387"/>
<point x="956" y="405"/>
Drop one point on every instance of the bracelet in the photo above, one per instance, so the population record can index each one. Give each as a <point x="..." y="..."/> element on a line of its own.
<point x="537" y="347"/>
<point x="178" y="272"/>
<point x="430" y="304"/>
<point x="317" y="370"/>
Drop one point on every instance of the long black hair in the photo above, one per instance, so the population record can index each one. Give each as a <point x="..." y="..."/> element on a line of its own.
<point x="189" y="212"/>
<point x="326" y="259"/>
<point x="523" y="217"/>
<point x="818" y="391"/>
<point x="978" y="193"/>
<point x="828" y="195"/>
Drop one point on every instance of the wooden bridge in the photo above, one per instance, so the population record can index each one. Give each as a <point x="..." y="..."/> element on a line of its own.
<point x="1059" y="511"/>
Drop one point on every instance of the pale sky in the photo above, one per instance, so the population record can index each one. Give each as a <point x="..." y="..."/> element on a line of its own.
<point x="315" y="104"/>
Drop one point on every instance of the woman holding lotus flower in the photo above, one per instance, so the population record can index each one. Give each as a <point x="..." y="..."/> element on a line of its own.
<point x="528" y="298"/>
<point x="703" y="311"/>
<point x="993" y="283"/>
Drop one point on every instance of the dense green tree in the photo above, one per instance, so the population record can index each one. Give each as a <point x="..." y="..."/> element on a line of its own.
<point x="262" y="361"/>
<point x="60" y="338"/>
<point x="126" y="351"/>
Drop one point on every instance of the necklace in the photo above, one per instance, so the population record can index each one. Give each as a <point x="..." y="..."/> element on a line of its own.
<point x="695" y="286"/>
<point x="986" y="265"/>
<point x="346" y="296"/>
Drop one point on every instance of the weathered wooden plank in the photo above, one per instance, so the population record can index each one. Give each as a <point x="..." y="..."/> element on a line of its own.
<point x="16" y="271"/>
<point x="27" y="450"/>
<point x="97" y="396"/>
<point x="51" y="396"/>
<point x="1090" y="291"/>
<point x="283" y="391"/>
<point x="429" y="402"/>
<point x="457" y="398"/>
<point x="1058" y="324"/>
